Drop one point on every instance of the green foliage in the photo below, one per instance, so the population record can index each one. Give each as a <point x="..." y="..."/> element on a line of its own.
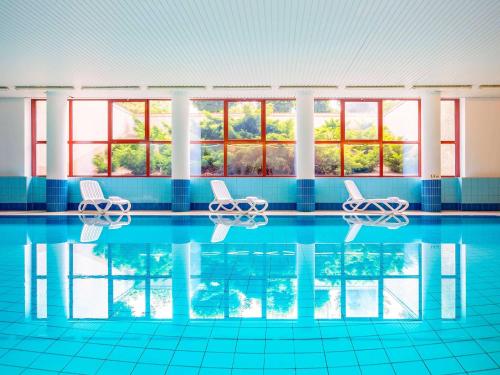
<point x="328" y="131"/>
<point x="212" y="160"/>
<point x="248" y="126"/>
<point x="211" y="127"/>
<point x="361" y="158"/>
<point x="393" y="158"/>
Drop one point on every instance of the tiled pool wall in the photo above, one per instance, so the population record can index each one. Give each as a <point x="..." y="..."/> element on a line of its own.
<point x="28" y="193"/>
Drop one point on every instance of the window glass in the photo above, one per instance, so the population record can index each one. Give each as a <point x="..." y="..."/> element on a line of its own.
<point x="244" y="120"/>
<point x="160" y="120"/>
<point x="447" y="120"/>
<point x="244" y="159"/>
<point x="361" y="120"/>
<point x="327" y="161"/>
<point x="41" y="120"/>
<point x="280" y="120"/>
<point x="90" y="120"/>
<point x="90" y="159"/>
<point x="207" y="159"/>
<point x="129" y="120"/>
<point x="448" y="159"/>
<point x="400" y="160"/>
<point x="361" y="160"/>
<point x="207" y="120"/>
<point x="160" y="159"/>
<point x="280" y="159"/>
<point x="400" y="120"/>
<point x="41" y="159"/>
<point x="128" y="159"/>
<point x="327" y="120"/>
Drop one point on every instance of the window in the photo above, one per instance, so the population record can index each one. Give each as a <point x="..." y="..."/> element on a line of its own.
<point x="242" y="137"/>
<point x="39" y="137"/>
<point x="366" y="137"/>
<point x="450" y="165"/>
<point x="120" y="137"/>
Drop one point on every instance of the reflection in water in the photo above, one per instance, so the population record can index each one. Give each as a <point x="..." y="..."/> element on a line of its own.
<point x="223" y="224"/>
<point x="356" y="222"/>
<point x="259" y="281"/>
<point x="93" y="225"/>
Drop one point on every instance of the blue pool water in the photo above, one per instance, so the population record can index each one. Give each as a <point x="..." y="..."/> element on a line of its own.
<point x="277" y="295"/>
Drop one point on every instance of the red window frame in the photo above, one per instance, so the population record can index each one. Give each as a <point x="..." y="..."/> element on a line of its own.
<point x="262" y="141"/>
<point x="456" y="141"/>
<point x="111" y="141"/>
<point x="379" y="141"/>
<point x="34" y="139"/>
<point x="226" y="141"/>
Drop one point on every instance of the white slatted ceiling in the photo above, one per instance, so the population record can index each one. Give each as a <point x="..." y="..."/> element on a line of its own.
<point x="242" y="42"/>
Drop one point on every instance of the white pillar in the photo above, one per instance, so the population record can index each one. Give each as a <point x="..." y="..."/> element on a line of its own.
<point x="57" y="135"/>
<point x="304" y="155"/>
<point x="431" y="136"/>
<point x="180" y="136"/>
<point x="181" y="197"/>
<point x="431" y="151"/>
<point x="305" y="136"/>
<point x="57" y="151"/>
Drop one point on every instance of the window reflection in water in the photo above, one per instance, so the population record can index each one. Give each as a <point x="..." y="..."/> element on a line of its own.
<point x="249" y="281"/>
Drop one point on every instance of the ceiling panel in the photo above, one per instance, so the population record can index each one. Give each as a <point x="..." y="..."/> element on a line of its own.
<point x="258" y="42"/>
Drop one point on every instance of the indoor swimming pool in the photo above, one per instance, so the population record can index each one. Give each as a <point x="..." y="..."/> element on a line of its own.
<point x="245" y="295"/>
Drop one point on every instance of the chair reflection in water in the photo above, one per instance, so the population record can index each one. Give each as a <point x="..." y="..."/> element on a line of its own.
<point x="356" y="222"/>
<point x="93" y="225"/>
<point x="224" y="223"/>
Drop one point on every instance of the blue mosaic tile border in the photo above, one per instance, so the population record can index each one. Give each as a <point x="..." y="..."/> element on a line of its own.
<point x="305" y="195"/>
<point x="480" y="207"/>
<point x="13" y="206"/>
<point x="181" y="195"/>
<point x="57" y="195"/>
<point x="431" y="195"/>
<point x="135" y="206"/>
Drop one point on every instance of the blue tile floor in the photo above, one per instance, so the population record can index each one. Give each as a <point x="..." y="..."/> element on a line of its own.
<point x="231" y="295"/>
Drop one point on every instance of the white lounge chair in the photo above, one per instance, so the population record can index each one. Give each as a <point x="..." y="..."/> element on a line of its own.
<point x="223" y="200"/>
<point x="357" y="203"/>
<point x="92" y="195"/>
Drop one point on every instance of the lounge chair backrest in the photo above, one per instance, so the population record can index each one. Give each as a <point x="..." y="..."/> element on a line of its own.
<point x="220" y="191"/>
<point x="90" y="189"/>
<point x="353" y="190"/>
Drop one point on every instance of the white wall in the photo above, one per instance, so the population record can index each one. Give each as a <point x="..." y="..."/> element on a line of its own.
<point x="480" y="135"/>
<point x="15" y="137"/>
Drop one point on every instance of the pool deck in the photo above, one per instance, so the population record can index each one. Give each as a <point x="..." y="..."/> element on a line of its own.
<point x="268" y="213"/>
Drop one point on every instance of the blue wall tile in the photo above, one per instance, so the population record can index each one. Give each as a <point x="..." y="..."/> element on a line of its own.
<point x="306" y="200"/>
<point x="431" y="195"/>
<point x="22" y="193"/>
<point x="57" y="195"/>
<point x="181" y="195"/>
